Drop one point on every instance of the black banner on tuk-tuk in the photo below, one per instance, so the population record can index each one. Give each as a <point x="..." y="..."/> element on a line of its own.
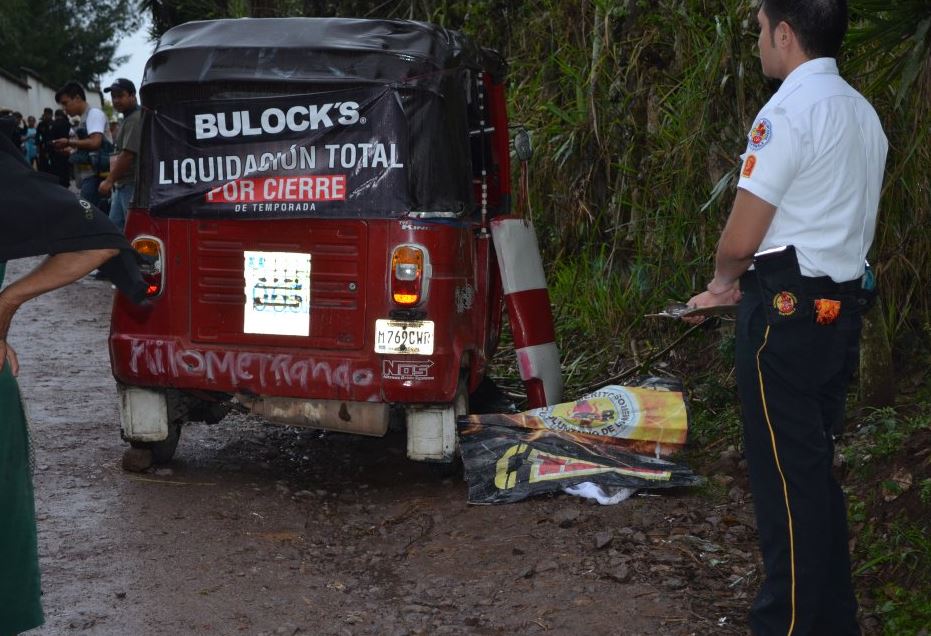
<point x="330" y="154"/>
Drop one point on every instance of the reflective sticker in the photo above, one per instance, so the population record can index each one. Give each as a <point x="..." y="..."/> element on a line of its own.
<point x="826" y="310"/>
<point x="749" y="165"/>
<point x="785" y="303"/>
<point x="760" y="134"/>
<point x="277" y="290"/>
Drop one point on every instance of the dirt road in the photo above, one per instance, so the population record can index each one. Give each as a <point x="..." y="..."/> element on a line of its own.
<point x="259" y="529"/>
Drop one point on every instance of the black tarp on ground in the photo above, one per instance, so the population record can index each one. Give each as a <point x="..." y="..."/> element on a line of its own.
<point x="504" y="465"/>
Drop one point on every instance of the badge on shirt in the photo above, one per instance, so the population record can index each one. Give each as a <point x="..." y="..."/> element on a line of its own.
<point x="760" y="134"/>
<point x="826" y="310"/>
<point x="785" y="303"/>
<point x="749" y="165"/>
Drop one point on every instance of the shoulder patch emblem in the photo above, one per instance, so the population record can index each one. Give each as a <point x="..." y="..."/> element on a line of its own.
<point x="760" y="134"/>
<point x="749" y="165"/>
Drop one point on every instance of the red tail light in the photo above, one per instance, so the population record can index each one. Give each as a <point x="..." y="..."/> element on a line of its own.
<point x="153" y="271"/>
<point x="409" y="275"/>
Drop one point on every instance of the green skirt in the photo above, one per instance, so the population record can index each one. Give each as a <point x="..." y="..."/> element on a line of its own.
<point x="20" y="606"/>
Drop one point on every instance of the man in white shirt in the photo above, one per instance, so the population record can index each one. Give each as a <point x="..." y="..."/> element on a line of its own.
<point x="806" y="205"/>
<point x="92" y="140"/>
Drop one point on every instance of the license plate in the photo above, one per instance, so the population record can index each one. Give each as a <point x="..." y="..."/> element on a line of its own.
<point x="404" y="336"/>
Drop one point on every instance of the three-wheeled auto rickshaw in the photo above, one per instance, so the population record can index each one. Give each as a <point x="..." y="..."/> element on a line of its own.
<point x="315" y="198"/>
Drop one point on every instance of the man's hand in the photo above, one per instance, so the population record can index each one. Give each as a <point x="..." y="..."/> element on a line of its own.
<point x="7" y="309"/>
<point x="729" y="296"/>
<point x="60" y="143"/>
<point x="746" y="226"/>
<point x="7" y="354"/>
<point x="105" y="187"/>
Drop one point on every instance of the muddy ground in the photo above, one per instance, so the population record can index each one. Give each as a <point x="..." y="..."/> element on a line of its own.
<point x="260" y="529"/>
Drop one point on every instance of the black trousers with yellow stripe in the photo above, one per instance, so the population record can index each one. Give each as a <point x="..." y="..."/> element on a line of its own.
<point x="792" y="379"/>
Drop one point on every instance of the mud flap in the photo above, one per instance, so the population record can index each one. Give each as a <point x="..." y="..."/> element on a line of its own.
<point x="143" y="414"/>
<point x="431" y="433"/>
<point x="529" y="310"/>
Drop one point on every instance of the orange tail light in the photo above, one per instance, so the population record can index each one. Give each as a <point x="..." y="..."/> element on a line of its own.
<point x="409" y="275"/>
<point x="153" y="271"/>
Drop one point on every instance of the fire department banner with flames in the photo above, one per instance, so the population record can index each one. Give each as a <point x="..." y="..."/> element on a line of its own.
<point x="616" y="437"/>
<point x="338" y="153"/>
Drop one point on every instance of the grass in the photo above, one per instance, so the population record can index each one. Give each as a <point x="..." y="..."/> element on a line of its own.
<point x="881" y="434"/>
<point x="894" y="562"/>
<point x="924" y="491"/>
<point x="904" y="612"/>
<point x="892" y="557"/>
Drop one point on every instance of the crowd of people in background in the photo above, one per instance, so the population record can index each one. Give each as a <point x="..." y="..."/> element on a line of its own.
<point x="34" y="139"/>
<point x="75" y="143"/>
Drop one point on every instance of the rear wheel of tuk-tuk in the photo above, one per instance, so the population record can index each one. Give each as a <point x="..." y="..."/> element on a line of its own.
<point x="164" y="450"/>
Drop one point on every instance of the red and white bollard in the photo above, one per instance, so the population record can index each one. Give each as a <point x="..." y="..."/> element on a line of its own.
<point x="529" y="312"/>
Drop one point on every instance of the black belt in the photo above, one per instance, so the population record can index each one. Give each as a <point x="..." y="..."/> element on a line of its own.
<point x="813" y="285"/>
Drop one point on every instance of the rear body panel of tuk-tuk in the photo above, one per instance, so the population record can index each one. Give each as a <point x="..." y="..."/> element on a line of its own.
<point x="191" y="336"/>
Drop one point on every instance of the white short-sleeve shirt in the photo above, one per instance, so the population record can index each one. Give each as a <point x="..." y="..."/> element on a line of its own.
<point x="96" y="122"/>
<point x="817" y="152"/>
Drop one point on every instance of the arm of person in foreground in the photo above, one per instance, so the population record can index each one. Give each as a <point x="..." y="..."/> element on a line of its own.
<point x="746" y="226"/>
<point x="54" y="272"/>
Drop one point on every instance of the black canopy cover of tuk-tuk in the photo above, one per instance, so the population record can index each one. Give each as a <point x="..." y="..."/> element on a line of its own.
<point x="306" y="117"/>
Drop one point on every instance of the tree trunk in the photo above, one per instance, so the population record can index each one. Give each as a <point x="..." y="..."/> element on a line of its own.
<point x="877" y="376"/>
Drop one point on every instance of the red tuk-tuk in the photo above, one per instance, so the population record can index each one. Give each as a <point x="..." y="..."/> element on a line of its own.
<point x="315" y="196"/>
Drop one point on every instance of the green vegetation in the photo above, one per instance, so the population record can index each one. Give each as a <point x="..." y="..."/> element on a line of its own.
<point x="904" y="611"/>
<point x="64" y="39"/>
<point x="882" y="433"/>
<point x="924" y="491"/>
<point x="896" y="560"/>
<point x="890" y="483"/>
